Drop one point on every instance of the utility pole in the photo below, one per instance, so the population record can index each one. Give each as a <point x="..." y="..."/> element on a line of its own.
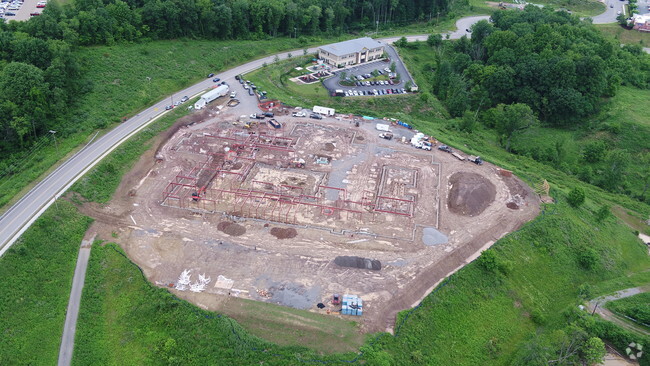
<point x="377" y="28"/>
<point x="55" y="143"/>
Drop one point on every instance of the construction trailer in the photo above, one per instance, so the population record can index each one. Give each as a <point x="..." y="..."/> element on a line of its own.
<point x="213" y="94"/>
<point x="324" y="110"/>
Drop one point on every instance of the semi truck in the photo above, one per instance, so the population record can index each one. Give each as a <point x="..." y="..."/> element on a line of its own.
<point x="210" y="96"/>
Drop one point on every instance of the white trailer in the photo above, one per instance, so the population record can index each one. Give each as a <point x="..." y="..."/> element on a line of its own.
<point x="213" y="94"/>
<point x="382" y="127"/>
<point x="324" y="110"/>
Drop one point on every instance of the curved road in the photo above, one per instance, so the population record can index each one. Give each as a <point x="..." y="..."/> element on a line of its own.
<point x="611" y="12"/>
<point x="22" y="214"/>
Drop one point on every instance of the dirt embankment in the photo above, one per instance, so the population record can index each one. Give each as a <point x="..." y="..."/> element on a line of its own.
<point x="470" y="193"/>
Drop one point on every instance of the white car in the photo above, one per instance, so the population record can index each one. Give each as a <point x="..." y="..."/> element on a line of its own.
<point x="233" y="94"/>
<point x="387" y="69"/>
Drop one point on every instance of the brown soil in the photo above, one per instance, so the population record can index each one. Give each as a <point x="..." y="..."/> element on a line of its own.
<point x="329" y="146"/>
<point x="512" y="206"/>
<point x="231" y="228"/>
<point x="282" y="233"/>
<point x="470" y="193"/>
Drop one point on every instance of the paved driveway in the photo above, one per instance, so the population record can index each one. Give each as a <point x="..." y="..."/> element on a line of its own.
<point x="610" y="14"/>
<point x="332" y="83"/>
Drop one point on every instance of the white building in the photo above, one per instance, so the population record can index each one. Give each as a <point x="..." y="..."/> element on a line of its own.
<point x="354" y="51"/>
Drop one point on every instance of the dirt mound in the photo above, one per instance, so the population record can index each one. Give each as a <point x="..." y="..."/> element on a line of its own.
<point x="358" y="262"/>
<point x="470" y="193"/>
<point x="282" y="233"/>
<point x="231" y="228"/>
<point x="329" y="146"/>
<point x="512" y="206"/>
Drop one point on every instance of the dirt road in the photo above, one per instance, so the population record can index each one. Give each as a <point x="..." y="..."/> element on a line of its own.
<point x="599" y="304"/>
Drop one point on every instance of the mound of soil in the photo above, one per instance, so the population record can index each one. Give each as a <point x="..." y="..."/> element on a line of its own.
<point x="329" y="146"/>
<point x="512" y="205"/>
<point x="231" y="228"/>
<point x="284" y="233"/>
<point x="358" y="262"/>
<point x="470" y="193"/>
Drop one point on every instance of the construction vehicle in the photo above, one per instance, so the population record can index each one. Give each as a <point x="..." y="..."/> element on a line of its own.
<point x="274" y="123"/>
<point x="299" y="163"/>
<point x="197" y="195"/>
<point x="445" y="148"/>
<point x="336" y="299"/>
<point x="386" y="135"/>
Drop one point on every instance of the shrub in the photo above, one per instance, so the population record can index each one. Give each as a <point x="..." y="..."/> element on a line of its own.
<point x="576" y="197"/>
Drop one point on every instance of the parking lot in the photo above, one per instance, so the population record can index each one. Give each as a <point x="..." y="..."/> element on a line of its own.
<point x="367" y="88"/>
<point x="21" y="10"/>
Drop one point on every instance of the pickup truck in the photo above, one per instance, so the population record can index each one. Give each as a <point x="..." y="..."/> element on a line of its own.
<point x="299" y="114"/>
<point x="386" y="135"/>
<point x="257" y="116"/>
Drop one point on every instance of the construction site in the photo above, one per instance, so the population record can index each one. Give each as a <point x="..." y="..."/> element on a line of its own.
<point x="295" y="211"/>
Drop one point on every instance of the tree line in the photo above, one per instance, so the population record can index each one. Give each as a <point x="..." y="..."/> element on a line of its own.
<point x="39" y="75"/>
<point x="87" y="22"/>
<point x="556" y="64"/>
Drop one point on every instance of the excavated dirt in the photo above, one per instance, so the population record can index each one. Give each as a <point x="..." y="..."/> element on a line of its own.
<point x="284" y="233"/>
<point x="470" y="193"/>
<point x="231" y="228"/>
<point x="329" y="146"/>
<point x="245" y="258"/>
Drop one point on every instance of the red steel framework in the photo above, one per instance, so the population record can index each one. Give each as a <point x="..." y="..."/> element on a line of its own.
<point x="278" y="202"/>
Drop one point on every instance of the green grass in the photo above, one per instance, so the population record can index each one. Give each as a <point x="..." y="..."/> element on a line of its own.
<point x="636" y="307"/>
<point x="482" y="317"/>
<point x="36" y="280"/>
<point x="287" y="326"/>
<point x="124" y="321"/>
<point x="625" y="36"/>
<point x="119" y="88"/>
<point x="582" y="8"/>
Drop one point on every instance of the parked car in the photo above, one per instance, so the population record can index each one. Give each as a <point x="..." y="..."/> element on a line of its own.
<point x="177" y="103"/>
<point x="315" y="116"/>
<point x="268" y="114"/>
<point x="10" y="14"/>
<point x="216" y="80"/>
<point x="185" y="99"/>
<point x="298" y="114"/>
<point x="445" y="148"/>
<point x="34" y="14"/>
<point x="210" y="75"/>
<point x="169" y="107"/>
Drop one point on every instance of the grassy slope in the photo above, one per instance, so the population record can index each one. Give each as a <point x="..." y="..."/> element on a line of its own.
<point x="118" y="76"/>
<point x="482" y="318"/>
<point x="36" y="280"/>
<point x="636" y="307"/>
<point x="125" y="320"/>
<point x="625" y="36"/>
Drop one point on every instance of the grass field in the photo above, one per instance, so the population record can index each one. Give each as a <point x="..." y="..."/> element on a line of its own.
<point x="625" y="36"/>
<point x="288" y="327"/>
<point x="36" y="280"/>
<point x="636" y="307"/>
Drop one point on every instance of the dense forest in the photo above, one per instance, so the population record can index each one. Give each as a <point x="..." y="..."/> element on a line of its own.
<point x="543" y="68"/>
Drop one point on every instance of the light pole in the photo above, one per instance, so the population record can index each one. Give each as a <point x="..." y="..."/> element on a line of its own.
<point x="55" y="143"/>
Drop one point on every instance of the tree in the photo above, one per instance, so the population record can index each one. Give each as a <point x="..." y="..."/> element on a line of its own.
<point x="602" y="213"/>
<point x="576" y="197"/>
<point x="434" y="40"/>
<point x="644" y="173"/>
<point x="513" y="119"/>
<point x="615" y="171"/>
<point x="468" y="122"/>
<point x="402" y="42"/>
<point x="593" y="351"/>
<point x="393" y="66"/>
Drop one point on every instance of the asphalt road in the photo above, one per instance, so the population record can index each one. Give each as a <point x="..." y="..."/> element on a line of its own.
<point x="610" y="14"/>
<point x="69" y="329"/>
